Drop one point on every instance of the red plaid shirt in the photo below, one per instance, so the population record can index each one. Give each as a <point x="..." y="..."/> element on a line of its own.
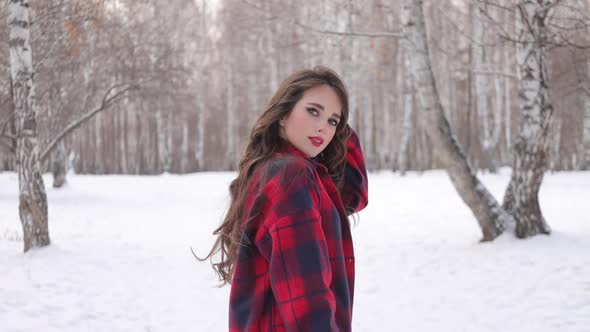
<point x="295" y="266"/>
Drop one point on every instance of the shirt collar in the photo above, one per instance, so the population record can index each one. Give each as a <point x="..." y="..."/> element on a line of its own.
<point x="291" y="149"/>
<point x="288" y="148"/>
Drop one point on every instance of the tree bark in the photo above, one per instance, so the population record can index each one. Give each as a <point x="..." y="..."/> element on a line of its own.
<point x="585" y="95"/>
<point x="408" y="107"/>
<point x="106" y="103"/>
<point x="530" y="149"/>
<point x="230" y="152"/>
<point x="489" y="120"/>
<point x="32" y="197"/>
<point x="58" y="165"/>
<point x="491" y="217"/>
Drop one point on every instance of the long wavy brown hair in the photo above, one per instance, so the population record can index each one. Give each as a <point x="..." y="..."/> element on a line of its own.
<point x="264" y="141"/>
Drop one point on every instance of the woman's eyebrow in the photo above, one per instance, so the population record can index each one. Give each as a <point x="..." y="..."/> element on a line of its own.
<point x="320" y="106"/>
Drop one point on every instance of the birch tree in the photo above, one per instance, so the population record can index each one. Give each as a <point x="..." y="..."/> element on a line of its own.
<point x="583" y="78"/>
<point x="407" y="104"/>
<point x="32" y="197"/>
<point x="585" y="95"/>
<point x="530" y="148"/>
<point x="184" y="61"/>
<point x="491" y="217"/>
<point x="489" y="119"/>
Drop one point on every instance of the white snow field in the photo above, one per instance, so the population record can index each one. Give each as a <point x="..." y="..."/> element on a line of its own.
<point x="121" y="260"/>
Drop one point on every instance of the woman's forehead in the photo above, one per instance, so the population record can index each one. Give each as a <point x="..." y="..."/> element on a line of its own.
<point x="325" y="96"/>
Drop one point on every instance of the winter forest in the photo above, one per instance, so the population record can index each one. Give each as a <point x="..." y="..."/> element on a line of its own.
<point x="474" y="106"/>
<point x="203" y="70"/>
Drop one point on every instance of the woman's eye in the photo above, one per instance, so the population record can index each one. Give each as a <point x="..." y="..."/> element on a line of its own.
<point x="333" y="122"/>
<point x="313" y="111"/>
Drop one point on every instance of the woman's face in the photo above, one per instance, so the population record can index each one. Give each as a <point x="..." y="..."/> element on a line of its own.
<point x="311" y="124"/>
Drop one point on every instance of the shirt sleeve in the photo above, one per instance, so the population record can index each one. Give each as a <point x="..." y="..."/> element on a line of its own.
<point x="355" y="185"/>
<point x="299" y="264"/>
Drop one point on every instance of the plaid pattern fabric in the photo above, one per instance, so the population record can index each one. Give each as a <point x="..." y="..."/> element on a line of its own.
<point x="295" y="266"/>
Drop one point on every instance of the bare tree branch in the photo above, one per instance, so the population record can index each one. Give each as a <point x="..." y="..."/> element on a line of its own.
<point x="10" y="117"/>
<point x="503" y="34"/>
<point x="352" y="33"/>
<point x="548" y="7"/>
<point x="558" y="39"/>
<point x="568" y="42"/>
<point x="572" y="28"/>
<point x="86" y="16"/>
<point x="495" y="73"/>
<point x="8" y="146"/>
<point x="494" y="4"/>
<point x="50" y="50"/>
<point x="7" y="135"/>
<point x="377" y="34"/>
<point x="107" y="101"/>
<point x="463" y="33"/>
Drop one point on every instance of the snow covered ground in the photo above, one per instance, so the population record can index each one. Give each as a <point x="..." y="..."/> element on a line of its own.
<point x="121" y="260"/>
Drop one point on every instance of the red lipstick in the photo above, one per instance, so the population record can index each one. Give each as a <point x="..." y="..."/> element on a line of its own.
<point x="316" y="140"/>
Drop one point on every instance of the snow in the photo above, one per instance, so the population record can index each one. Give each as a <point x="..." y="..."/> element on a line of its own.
<point x="120" y="258"/>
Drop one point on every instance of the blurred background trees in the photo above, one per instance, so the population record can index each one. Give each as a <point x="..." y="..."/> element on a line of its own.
<point x="207" y="68"/>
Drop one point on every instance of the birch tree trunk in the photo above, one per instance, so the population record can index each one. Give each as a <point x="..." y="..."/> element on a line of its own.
<point x="491" y="217"/>
<point x="481" y="86"/>
<point x="58" y="165"/>
<point x="200" y="144"/>
<point x="508" y="100"/>
<point x="230" y="124"/>
<point x="349" y="70"/>
<point x="585" y="95"/>
<point x="530" y="149"/>
<point x="408" y="107"/>
<point x="98" y="151"/>
<point x="585" y="162"/>
<point x="32" y="197"/>
<point x="489" y="120"/>
<point x="162" y="129"/>
<point x="494" y="134"/>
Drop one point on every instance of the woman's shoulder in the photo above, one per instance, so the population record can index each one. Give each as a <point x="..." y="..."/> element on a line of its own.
<point x="286" y="164"/>
<point x="285" y="171"/>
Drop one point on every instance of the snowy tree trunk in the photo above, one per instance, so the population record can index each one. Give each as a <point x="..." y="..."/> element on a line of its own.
<point x="8" y="158"/>
<point x="98" y="153"/>
<point x="408" y="107"/>
<point x="169" y="145"/>
<point x="184" y="148"/>
<point x="508" y="101"/>
<point x="348" y="69"/>
<point x="494" y="134"/>
<point x="58" y="165"/>
<point x="200" y="144"/>
<point x="481" y="83"/>
<point x="32" y="199"/>
<point x="530" y="149"/>
<point x="123" y="145"/>
<point x="163" y="133"/>
<point x="231" y="132"/>
<point x="585" y="149"/>
<point x="488" y="121"/>
<point x="491" y="217"/>
<point x="270" y="48"/>
<point x="555" y="143"/>
<point x="204" y="93"/>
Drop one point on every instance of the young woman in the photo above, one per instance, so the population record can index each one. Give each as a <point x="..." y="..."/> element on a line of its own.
<point x="285" y="243"/>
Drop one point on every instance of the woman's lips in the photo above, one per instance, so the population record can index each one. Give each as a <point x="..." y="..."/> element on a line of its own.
<point x="316" y="140"/>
